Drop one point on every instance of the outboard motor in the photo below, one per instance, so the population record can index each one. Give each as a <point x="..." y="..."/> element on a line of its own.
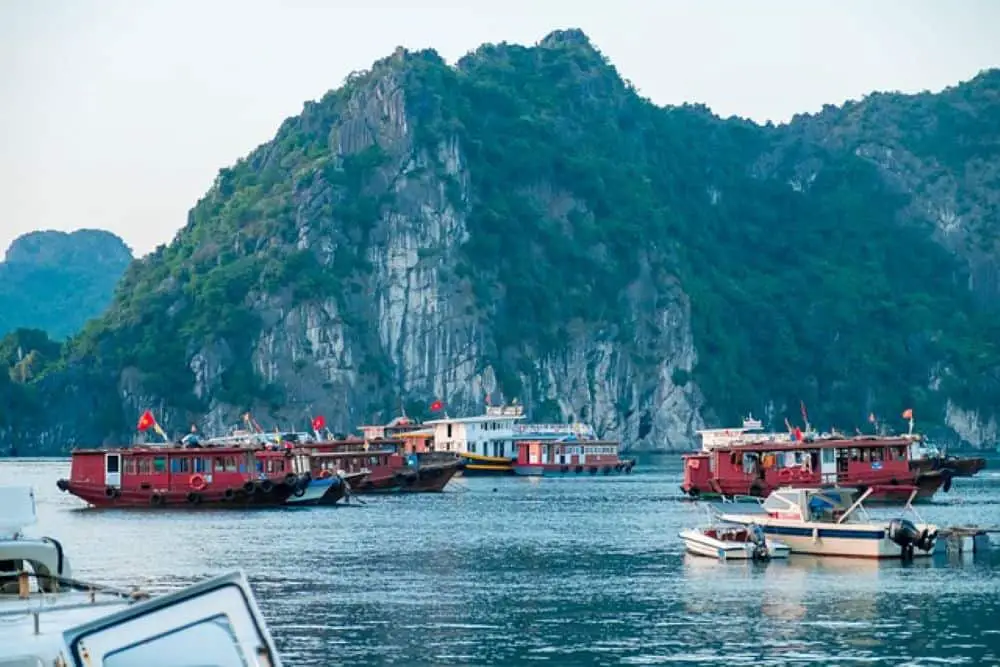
<point x="926" y="540"/>
<point x="755" y="535"/>
<point x="904" y="533"/>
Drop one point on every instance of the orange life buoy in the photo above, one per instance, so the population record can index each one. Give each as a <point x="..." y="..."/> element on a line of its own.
<point x="197" y="482"/>
<point x="324" y="474"/>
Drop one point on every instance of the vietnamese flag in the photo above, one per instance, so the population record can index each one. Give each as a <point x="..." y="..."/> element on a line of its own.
<point x="908" y="413"/>
<point x="437" y="406"/>
<point x="146" y="421"/>
<point x="319" y="422"/>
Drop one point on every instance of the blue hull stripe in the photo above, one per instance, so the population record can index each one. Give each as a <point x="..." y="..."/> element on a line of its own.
<point x="846" y="533"/>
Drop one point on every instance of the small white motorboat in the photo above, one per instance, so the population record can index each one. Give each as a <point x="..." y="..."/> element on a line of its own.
<point x="830" y="522"/>
<point x="49" y="618"/>
<point x="733" y="542"/>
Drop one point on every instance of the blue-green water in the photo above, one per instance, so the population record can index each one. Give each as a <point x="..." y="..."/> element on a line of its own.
<point x="556" y="571"/>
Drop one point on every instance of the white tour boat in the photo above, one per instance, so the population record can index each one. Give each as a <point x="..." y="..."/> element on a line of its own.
<point x="829" y="522"/>
<point x="49" y="618"/>
<point x="733" y="542"/>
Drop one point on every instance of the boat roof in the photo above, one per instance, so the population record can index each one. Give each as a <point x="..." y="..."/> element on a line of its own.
<point x="799" y="445"/>
<point x="171" y="449"/>
<point x="834" y="498"/>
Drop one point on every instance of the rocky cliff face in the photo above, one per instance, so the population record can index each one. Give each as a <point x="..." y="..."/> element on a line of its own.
<point x="524" y="225"/>
<point x="420" y="319"/>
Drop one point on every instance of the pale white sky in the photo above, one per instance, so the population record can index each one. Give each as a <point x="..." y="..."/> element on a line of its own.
<point x="118" y="114"/>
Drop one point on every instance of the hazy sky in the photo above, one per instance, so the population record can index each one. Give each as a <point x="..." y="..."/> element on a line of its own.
<point x="118" y="114"/>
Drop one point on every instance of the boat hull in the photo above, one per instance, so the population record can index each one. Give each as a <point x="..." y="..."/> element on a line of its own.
<point x="477" y="465"/>
<point x="698" y="543"/>
<point x="430" y="478"/>
<point x="321" y="491"/>
<point x="823" y="539"/>
<point x="960" y="466"/>
<point x="556" y="470"/>
<point x="209" y="498"/>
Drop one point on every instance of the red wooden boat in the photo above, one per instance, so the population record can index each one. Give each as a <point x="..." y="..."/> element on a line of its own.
<point x="174" y="476"/>
<point x="561" y="457"/>
<point x="758" y="468"/>
<point x="387" y="469"/>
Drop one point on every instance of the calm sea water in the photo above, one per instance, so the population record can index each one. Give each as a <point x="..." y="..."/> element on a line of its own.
<point x="561" y="572"/>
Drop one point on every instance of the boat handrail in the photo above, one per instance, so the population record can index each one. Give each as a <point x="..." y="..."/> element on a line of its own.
<point x="78" y="585"/>
<point x="909" y="506"/>
<point x="64" y="606"/>
<point x="856" y="505"/>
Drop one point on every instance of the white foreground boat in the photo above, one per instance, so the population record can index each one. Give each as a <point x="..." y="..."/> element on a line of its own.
<point x="49" y="618"/>
<point x="733" y="542"/>
<point x="829" y="522"/>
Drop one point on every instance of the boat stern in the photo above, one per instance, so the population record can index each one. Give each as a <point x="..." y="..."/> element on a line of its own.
<point x="697" y="473"/>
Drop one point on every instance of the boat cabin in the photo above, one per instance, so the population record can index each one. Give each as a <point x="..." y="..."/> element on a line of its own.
<point x="491" y="434"/>
<point x="826" y="505"/>
<point x="354" y="455"/>
<point x="568" y="452"/>
<point x="832" y="461"/>
<point x="145" y="468"/>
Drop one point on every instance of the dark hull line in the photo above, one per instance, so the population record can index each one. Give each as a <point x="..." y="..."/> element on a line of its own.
<point x="210" y="498"/>
<point x="624" y="467"/>
<point x="430" y="478"/>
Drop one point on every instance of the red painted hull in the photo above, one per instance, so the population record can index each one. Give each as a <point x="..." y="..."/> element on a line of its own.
<point x="428" y="478"/>
<point x="209" y="498"/>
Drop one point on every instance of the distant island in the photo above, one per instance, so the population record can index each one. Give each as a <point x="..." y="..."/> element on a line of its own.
<point x="524" y="224"/>
<point x="57" y="281"/>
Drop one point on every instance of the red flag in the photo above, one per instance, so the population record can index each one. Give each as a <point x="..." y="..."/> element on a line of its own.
<point x="798" y="434"/>
<point x="318" y="422"/>
<point x="488" y="400"/>
<point x="146" y="421"/>
<point x="908" y="413"/>
<point x="437" y="406"/>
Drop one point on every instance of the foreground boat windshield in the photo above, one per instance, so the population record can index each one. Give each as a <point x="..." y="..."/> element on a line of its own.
<point x="212" y="623"/>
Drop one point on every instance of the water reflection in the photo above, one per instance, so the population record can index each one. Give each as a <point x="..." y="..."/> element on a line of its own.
<point x="565" y="572"/>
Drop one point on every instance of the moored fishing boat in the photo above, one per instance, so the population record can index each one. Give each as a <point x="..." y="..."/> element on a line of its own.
<point x="758" y="468"/>
<point x="380" y="466"/>
<point x="570" y="457"/>
<point x="185" y="477"/>
<point x="830" y="522"/>
<point x="927" y="458"/>
<point x="733" y="542"/>
<point x="49" y="618"/>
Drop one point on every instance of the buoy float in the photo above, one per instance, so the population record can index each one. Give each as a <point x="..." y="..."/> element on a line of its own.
<point x="197" y="482"/>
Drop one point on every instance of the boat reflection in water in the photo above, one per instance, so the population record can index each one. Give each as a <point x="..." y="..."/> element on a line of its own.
<point x="783" y="590"/>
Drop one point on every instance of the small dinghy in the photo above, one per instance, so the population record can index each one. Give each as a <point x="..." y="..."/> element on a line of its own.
<point x="733" y="543"/>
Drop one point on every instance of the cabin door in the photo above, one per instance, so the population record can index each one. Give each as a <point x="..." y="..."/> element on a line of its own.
<point x="113" y="470"/>
<point x="828" y="465"/>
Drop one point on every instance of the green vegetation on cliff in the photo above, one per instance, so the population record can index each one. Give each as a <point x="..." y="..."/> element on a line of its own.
<point x="587" y="209"/>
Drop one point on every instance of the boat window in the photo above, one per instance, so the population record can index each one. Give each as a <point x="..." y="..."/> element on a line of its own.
<point x="828" y="455"/>
<point x="130" y="469"/>
<point x="203" y="465"/>
<point x="180" y="465"/>
<point x="160" y="464"/>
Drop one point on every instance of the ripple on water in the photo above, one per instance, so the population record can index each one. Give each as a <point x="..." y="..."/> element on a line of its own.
<point x="561" y="572"/>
